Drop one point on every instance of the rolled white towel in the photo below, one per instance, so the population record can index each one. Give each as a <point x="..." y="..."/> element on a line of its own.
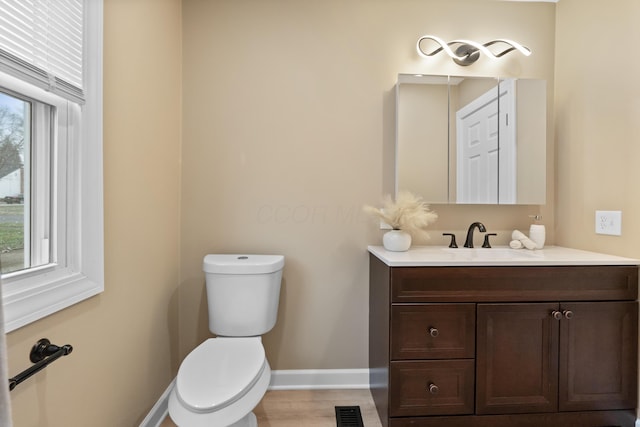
<point x="526" y="242"/>
<point x="516" y="244"/>
<point x="518" y="235"/>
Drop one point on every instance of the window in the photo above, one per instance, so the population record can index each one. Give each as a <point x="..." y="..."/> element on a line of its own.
<point x="15" y="126"/>
<point x="28" y="137"/>
<point x="51" y="220"/>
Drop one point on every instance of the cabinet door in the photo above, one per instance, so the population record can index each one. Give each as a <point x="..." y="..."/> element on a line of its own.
<point x="517" y="358"/>
<point x="598" y="356"/>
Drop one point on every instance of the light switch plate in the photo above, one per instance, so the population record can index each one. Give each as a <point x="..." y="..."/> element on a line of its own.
<point x="609" y="222"/>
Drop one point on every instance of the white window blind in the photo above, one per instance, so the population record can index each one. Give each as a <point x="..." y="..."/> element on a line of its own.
<point x="41" y="43"/>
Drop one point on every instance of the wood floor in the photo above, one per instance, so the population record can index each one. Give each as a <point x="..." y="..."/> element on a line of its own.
<point x="309" y="408"/>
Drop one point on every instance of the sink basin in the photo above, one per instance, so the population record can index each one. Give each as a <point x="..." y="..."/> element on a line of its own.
<point x="491" y="254"/>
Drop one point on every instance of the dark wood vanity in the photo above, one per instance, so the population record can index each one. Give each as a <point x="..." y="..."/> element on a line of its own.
<point x="503" y="345"/>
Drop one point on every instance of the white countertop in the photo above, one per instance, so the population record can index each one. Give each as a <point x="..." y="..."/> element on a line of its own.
<point x="433" y="256"/>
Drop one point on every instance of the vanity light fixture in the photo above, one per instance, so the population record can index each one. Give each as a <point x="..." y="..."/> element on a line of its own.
<point x="466" y="51"/>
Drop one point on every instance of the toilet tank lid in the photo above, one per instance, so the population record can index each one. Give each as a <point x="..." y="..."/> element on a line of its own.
<point x="242" y="263"/>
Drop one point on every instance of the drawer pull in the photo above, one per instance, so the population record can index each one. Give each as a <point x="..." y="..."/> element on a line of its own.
<point x="568" y="314"/>
<point x="556" y="314"/>
<point x="434" y="332"/>
<point x="433" y="389"/>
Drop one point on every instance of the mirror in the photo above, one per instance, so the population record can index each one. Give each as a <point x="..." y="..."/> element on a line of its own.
<point x="471" y="140"/>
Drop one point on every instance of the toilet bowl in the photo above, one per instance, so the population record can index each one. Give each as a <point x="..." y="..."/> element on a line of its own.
<point x="219" y="383"/>
<point x="224" y="378"/>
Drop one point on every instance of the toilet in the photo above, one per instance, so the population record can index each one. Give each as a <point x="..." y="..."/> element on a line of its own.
<point x="224" y="378"/>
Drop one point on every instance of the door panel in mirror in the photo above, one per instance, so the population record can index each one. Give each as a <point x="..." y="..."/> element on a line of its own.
<point x="474" y="138"/>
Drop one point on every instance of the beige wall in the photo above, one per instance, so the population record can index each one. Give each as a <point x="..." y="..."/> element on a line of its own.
<point x="597" y="123"/>
<point x="289" y="129"/>
<point x="124" y="340"/>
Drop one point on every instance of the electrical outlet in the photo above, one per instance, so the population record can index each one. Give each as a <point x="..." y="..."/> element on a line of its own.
<point x="609" y="222"/>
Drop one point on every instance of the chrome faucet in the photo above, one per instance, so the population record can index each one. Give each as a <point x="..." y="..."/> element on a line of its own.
<point x="469" y="241"/>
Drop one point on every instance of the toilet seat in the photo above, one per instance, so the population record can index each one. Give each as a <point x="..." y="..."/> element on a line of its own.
<point x="219" y="372"/>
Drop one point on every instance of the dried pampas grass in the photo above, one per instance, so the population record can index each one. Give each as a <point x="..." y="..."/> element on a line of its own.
<point x="408" y="213"/>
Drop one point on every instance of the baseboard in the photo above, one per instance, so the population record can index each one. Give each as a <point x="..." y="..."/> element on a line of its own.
<point x="303" y="379"/>
<point x="160" y="410"/>
<point x="317" y="379"/>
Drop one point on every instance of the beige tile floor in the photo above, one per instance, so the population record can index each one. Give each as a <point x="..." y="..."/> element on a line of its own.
<point x="309" y="408"/>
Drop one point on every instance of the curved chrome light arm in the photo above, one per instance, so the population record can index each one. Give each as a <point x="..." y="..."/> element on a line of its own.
<point x="443" y="46"/>
<point x="468" y="51"/>
<point x="513" y="46"/>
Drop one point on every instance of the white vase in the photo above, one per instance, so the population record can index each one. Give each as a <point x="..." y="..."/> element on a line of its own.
<point x="396" y="240"/>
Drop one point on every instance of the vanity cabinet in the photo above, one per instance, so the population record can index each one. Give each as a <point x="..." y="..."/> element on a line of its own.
<point x="503" y="346"/>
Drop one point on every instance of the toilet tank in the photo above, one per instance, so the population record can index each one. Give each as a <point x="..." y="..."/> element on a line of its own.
<point x="243" y="292"/>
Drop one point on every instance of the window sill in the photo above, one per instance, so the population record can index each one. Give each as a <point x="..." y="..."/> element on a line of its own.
<point x="46" y="295"/>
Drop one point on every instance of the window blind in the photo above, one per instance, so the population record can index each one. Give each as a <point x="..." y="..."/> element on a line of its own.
<point x="41" y="42"/>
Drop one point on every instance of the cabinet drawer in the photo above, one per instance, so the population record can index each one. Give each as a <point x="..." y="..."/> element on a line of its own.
<point x="432" y="387"/>
<point x="433" y="331"/>
<point x="513" y="284"/>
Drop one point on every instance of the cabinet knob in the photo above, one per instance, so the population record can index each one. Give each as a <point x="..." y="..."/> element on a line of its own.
<point x="434" y="332"/>
<point x="433" y="389"/>
<point x="568" y="314"/>
<point x="556" y="314"/>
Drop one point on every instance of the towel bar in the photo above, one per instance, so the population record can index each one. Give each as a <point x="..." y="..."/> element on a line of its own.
<point x="42" y="354"/>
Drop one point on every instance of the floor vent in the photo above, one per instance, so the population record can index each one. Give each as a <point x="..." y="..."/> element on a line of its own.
<point x="348" y="416"/>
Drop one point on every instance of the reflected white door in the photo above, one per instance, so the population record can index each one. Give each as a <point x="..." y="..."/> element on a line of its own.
<point x="477" y="136"/>
<point x="486" y="148"/>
